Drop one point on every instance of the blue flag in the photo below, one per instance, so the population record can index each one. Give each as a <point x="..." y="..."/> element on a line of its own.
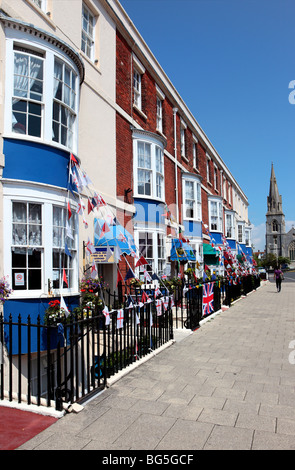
<point x="129" y="275"/>
<point x="67" y="251"/>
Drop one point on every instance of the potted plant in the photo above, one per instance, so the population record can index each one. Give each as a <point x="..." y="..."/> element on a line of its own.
<point x="54" y="314"/>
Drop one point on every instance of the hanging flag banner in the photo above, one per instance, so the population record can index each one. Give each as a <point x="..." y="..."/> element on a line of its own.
<point x="208" y="298"/>
<point x="107" y="315"/>
<point x="120" y="318"/>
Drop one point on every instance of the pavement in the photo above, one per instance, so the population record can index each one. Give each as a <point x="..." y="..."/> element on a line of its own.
<point x="230" y="385"/>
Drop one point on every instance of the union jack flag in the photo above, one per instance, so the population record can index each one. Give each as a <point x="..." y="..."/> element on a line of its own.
<point x="208" y="297"/>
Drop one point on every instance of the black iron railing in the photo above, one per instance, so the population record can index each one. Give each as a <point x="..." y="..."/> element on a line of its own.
<point x="65" y="363"/>
<point x="79" y="354"/>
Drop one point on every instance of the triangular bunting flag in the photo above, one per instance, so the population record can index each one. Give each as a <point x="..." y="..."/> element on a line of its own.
<point x="94" y="272"/>
<point x="119" y="278"/>
<point x="130" y="275"/>
<point x="64" y="277"/>
<point x="141" y="261"/>
<point x="104" y="230"/>
<point x="69" y="210"/>
<point x="90" y="246"/>
<point x="73" y="159"/>
<point x="90" y="206"/>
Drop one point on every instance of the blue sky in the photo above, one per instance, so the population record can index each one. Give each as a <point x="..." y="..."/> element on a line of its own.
<point x="232" y="62"/>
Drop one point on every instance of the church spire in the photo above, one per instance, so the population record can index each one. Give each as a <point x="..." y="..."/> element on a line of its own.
<point x="274" y="200"/>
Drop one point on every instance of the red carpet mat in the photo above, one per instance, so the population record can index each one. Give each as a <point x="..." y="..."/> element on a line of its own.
<point x="17" y="426"/>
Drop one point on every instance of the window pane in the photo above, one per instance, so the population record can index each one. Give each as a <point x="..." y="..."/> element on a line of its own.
<point x="19" y="123"/>
<point x="19" y="212"/>
<point x="35" y="235"/>
<point x="18" y="259"/>
<point x="34" y="279"/>
<point x="16" y="283"/>
<point x="34" y="259"/>
<point x="19" y="105"/>
<point x="35" y="213"/>
<point x="34" y="126"/>
<point x="35" y="109"/>
<point x="19" y="234"/>
<point x="21" y="71"/>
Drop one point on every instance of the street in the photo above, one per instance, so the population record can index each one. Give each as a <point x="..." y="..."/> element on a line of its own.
<point x="289" y="276"/>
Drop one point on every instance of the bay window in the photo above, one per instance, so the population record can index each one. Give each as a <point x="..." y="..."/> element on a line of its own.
<point x="215" y="215"/>
<point x="144" y="173"/>
<point x="63" y="233"/>
<point x="151" y="245"/>
<point x="192" y="198"/>
<point x="40" y="243"/>
<point x="159" y="172"/>
<point x="27" y="99"/>
<point x="26" y="248"/>
<point x="229" y="225"/>
<point x="240" y="233"/>
<point x="64" y="102"/>
<point x="148" y="168"/>
<point x="41" y="95"/>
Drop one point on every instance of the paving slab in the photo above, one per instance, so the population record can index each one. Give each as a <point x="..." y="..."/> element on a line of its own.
<point x="228" y="385"/>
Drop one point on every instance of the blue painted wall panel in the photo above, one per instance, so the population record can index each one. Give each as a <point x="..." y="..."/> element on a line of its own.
<point x="149" y="211"/>
<point x="192" y="229"/>
<point x="30" y="161"/>
<point x="32" y="308"/>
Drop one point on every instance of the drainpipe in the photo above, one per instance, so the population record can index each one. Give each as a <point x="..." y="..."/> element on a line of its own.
<point x="176" y="178"/>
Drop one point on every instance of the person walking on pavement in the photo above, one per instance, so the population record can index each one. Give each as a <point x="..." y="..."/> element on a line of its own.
<point x="278" y="276"/>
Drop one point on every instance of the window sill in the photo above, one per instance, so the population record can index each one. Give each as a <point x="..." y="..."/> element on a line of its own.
<point x="186" y="219"/>
<point x="141" y="113"/>
<point x="91" y="62"/>
<point x="161" y="134"/>
<point x="150" y="198"/>
<point x="41" y="295"/>
<point x="185" y="158"/>
<point x="42" y="13"/>
<point x="37" y="140"/>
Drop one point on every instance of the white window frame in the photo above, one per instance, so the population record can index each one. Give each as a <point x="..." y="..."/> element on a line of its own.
<point x="229" y="223"/>
<point x="30" y="55"/>
<point x="197" y="198"/>
<point x="215" y="176"/>
<point x="160" y="98"/>
<point x="208" y="172"/>
<point x="195" y="153"/>
<point x="49" y="53"/>
<point x="159" y="114"/>
<point x="247" y="237"/>
<point x="138" y="71"/>
<point x="42" y="4"/>
<point x="88" y="34"/>
<point x="217" y="215"/>
<point x="154" y="144"/>
<point x="183" y="128"/>
<point x="34" y="195"/>
<point x="66" y="103"/>
<point x="229" y="194"/>
<point x="241" y="232"/>
<point x="157" y="257"/>
<point x="224" y="189"/>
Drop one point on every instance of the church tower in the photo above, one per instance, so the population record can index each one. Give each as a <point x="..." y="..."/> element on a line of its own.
<point x="275" y="219"/>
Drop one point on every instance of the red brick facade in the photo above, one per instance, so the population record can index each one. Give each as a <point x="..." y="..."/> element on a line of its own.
<point x="146" y="118"/>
